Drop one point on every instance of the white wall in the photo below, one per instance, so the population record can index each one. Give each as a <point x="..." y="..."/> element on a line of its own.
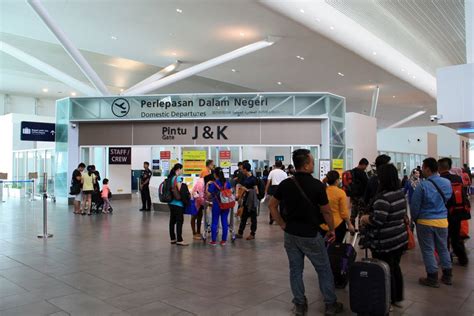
<point x="120" y="179"/>
<point x="415" y="140"/>
<point x="27" y="105"/>
<point x="6" y="144"/>
<point x="252" y="153"/>
<point x="361" y="136"/>
<point x="140" y="155"/>
<point x="279" y="151"/>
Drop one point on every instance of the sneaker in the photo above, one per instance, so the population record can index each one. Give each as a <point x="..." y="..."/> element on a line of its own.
<point x="223" y="243"/>
<point x="182" y="243"/>
<point x="334" y="309"/>
<point x="250" y="237"/>
<point x="173" y="242"/>
<point x="212" y="243"/>
<point x="300" y="309"/>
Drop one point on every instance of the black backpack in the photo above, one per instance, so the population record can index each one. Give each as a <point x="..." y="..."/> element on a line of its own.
<point x="261" y="189"/>
<point x="164" y="191"/>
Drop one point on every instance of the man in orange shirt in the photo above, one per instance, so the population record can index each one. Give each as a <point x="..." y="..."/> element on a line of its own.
<point x="208" y="170"/>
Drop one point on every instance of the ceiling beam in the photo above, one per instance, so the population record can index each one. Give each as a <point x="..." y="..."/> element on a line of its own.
<point x="80" y="61"/>
<point x="157" y="76"/>
<point x="407" y="119"/>
<point x="188" y="72"/>
<point x="47" y="69"/>
<point x="375" y="101"/>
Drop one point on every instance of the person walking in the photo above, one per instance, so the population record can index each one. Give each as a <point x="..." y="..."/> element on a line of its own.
<point x="145" y="187"/>
<point x="276" y="176"/>
<point x="76" y="186"/>
<point x="428" y="210"/>
<point x="306" y="202"/>
<point x="176" y="206"/>
<point x="339" y="208"/>
<point x="88" y="183"/>
<point x="214" y="189"/>
<point x="249" y="186"/>
<point x="385" y="227"/>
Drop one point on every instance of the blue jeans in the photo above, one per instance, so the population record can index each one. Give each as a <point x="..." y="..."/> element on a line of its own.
<point x="431" y="238"/>
<point x="223" y="215"/>
<point x="314" y="248"/>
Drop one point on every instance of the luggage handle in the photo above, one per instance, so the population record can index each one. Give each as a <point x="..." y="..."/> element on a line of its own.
<point x="354" y="240"/>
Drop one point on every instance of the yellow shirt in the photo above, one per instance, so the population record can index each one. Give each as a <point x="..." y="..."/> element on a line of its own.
<point x="88" y="181"/>
<point x="338" y="204"/>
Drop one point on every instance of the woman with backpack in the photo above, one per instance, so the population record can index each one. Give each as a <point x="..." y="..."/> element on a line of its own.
<point x="176" y="206"/>
<point x="220" y="191"/>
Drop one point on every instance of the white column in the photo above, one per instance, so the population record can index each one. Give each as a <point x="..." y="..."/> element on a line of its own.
<point x="469" y="16"/>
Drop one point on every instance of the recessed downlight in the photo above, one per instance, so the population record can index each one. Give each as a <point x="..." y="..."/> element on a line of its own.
<point x="233" y="70"/>
<point x="113" y="37"/>
<point x="300" y="57"/>
<point x="374" y="53"/>
<point x="45" y="89"/>
<point x="242" y="34"/>
<point x="332" y="27"/>
<point x="301" y="10"/>
<point x="73" y="94"/>
<point x="179" y="10"/>
<point x="414" y="77"/>
<point x="341" y="74"/>
<point x="279" y="83"/>
<point x="174" y="53"/>
<point x="393" y="96"/>
<point x="121" y="90"/>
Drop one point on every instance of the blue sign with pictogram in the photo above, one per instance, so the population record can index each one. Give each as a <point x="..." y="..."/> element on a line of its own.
<point x="37" y="131"/>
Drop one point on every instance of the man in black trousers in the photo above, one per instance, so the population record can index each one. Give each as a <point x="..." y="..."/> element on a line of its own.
<point x="145" y="187"/>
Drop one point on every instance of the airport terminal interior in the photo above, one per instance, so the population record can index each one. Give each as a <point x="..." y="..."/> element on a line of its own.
<point x="250" y="157"/>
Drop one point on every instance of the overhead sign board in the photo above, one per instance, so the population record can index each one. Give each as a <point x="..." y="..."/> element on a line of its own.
<point x="38" y="131"/>
<point x="120" y="155"/>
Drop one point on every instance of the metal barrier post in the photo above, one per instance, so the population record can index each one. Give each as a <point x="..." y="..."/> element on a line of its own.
<point x="32" y="190"/>
<point x="45" y="234"/>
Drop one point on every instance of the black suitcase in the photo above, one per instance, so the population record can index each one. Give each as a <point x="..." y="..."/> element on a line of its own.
<point x="342" y="256"/>
<point x="369" y="287"/>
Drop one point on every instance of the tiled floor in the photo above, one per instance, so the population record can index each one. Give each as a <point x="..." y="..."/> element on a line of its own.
<point x="123" y="264"/>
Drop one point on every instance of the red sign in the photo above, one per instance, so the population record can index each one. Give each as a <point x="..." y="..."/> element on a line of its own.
<point x="164" y="155"/>
<point x="224" y="155"/>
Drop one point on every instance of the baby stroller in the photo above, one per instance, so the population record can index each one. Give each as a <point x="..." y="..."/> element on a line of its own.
<point x="97" y="202"/>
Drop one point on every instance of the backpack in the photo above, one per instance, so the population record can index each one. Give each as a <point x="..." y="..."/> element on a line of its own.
<point x="459" y="202"/>
<point x="164" y="191"/>
<point x="347" y="181"/>
<point x="261" y="189"/>
<point x="225" y="197"/>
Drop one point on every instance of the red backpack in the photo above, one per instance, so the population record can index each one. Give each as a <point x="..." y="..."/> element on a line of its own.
<point x="459" y="202"/>
<point x="225" y="198"/>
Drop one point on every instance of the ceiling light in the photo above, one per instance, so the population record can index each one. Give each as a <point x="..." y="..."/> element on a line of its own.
<point x="414" y="77"/>
<point x="242" y="34"/>
<point x="340" y="74"/>
<point x="113" y="37"/>
<point x="179" y="10"/>
<point x="121" y="90"/>
<point x="403" y="70"/>
<point x="300" y="57"/>
<point x="407" y="119"/>
<point x="374" y="53"/>
<point x="73" y="94"/>
<point x="233" y="70"/>
<point x="393" y="96"/>
<point x="279" y="83"/>
<point x="174" y="53"/>
<point x="331" y="27"/>
<point x="301" y="10"/>
<point x="45" y="90"/>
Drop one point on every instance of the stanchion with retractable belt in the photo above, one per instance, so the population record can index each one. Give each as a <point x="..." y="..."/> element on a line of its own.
<point x="45" y="234"/>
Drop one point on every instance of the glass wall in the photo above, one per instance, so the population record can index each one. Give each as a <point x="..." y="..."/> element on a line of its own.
<point x="404" y="162"/>
<point x="41" y="161"/>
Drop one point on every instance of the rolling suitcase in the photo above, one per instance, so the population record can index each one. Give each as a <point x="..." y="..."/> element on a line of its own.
<point x="342" y="256"/>
<point x="369" y="287"/>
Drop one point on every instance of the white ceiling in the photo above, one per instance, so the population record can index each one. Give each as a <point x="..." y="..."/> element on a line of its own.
<point x="149" y="32"/>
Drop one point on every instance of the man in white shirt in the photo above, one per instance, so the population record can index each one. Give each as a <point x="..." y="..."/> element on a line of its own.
<point x="276" y="176"/>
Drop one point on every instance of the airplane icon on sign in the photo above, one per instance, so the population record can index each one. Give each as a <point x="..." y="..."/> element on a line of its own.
<point x="120" y="107"/>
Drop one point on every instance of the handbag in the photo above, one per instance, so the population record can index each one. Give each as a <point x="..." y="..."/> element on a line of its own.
<point x="75" y="188"/>
<point x="191" y="208"/>
<point x="411" y="238"/>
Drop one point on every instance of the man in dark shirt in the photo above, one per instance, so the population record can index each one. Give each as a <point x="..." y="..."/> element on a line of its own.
<point x="249" y="184"/>
<point x="145" y="187"/>
<point x="358" y="187"/>
<point x="304" y="199"/>
<point x="373" y="184"/>
<point x="76" y="182"/>
<point x="454" y="219"/>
